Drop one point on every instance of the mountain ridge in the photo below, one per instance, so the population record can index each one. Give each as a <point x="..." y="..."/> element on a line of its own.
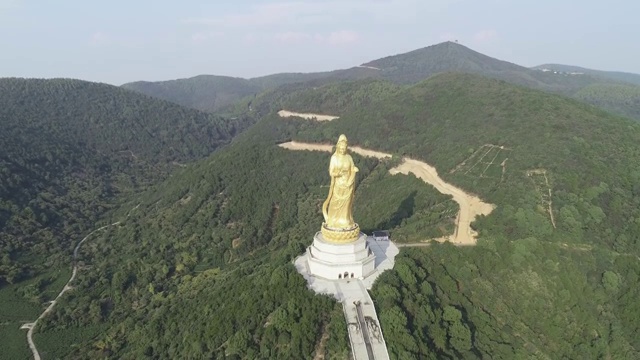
<point x="405" y="69"/>
<point x="626" y="77"/>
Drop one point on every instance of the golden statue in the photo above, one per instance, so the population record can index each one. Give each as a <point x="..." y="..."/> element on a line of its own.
<point x="338" y="223"/>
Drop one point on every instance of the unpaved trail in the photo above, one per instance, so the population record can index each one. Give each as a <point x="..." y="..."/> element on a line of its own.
<point x="67" y="287"/>
<point x="31" y="326"/>
<point x="418" y="244"/>
<point x="368" y="67"/>
<point x="543" y="195"/>
<point x="294" y="145"/>
<point x="320" y="347"/>
<point x="308" y="116"/>
<point x="470" y="205"/>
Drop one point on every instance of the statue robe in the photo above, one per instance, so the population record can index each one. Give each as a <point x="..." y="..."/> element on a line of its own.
<point x="343" y="175"/>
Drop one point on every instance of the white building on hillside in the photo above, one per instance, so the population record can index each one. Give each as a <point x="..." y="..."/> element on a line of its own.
<point x="381" y="235"/>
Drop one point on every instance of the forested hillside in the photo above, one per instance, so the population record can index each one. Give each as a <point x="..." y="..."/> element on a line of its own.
<point x="417" y="65"/>
<point x="552" y="275"/>
<point x="618" y="98"/>
<point x="630" y="78"/>
<point x="70" y="150"/>
<point x="216" y="93"/>
<point x="203" y="92"/>
<point x="202" y="268"/>
<point x="221" y="93"/>
<point x="336" y="97"/>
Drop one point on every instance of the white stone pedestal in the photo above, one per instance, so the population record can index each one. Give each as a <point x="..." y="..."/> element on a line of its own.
<point x="352" y="291"/>
<point x="334" y="261"/>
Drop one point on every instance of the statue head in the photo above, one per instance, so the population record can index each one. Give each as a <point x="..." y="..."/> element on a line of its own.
<point x="341" y="146"/>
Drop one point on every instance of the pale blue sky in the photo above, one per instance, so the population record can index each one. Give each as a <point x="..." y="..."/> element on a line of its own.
<point x="120" y="41"/>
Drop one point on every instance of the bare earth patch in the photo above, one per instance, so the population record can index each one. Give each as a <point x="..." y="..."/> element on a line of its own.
<point x="470" y="205"/>
<point x="368" y="67"/>
<point x="322" y="344"/>
<point x="308" y="116"/>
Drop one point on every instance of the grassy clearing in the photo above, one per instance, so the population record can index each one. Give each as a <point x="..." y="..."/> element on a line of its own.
<point x="22" y="303"/>
<point x="57" y="344"/>
<point x="13" y="341"/>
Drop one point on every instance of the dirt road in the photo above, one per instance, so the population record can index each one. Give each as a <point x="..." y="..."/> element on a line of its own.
<point x="308" y="116"/>
<point x="294" y="145"/>
<point x="31" y="326"/>
<point x="470" y="205"/>
<point x="67" y="287"/>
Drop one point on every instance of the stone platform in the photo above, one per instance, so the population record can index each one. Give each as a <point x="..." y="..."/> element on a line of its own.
<point x="331" y="260"/>
<point x="356" y="303"/>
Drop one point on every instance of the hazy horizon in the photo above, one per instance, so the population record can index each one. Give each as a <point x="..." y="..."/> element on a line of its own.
<point x="123" y="42"/>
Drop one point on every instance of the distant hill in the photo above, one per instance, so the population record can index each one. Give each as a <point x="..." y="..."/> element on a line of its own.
<point x="203" y="92"/>
<point x="216" y="240"/>
<point x="623" y="99"/>
<point x="71" y="148"/>
<point x="417" y="65"/>
<point x="611" y="75"/>
<point x="352" y="94"/>
<point x="213" y="93"/>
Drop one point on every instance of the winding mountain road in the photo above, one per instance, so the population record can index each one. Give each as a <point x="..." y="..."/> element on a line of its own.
<point x="308" y="116"/>
<point x="470" y="205"/>
<point x="31" y="326"/>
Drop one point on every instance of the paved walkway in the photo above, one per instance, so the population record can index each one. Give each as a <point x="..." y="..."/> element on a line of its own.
<point x="365" y="334"/>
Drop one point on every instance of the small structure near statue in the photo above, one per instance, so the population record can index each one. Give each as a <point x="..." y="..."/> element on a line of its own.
<point x="381" y="235"/>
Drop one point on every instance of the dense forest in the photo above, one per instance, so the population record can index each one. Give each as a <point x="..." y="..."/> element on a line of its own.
<point x="69" y="146"/>
<point x="70" y="151"/>
<point x="205" y="92"/>
<point x="556" y="267"/>
<point x="201" y="265"/>
<point x="218" y="238"/>
<point x="334" y="97"/>
<point x="509" y="144"/>
<point x="223" y="94"/>
<point x="618" y="98"/>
